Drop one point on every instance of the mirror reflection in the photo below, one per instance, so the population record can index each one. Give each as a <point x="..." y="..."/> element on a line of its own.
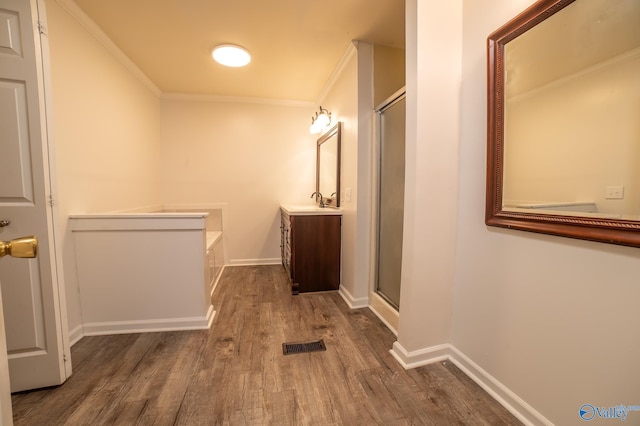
<point x="572" y="113"/>
<point x="328" y="166"/>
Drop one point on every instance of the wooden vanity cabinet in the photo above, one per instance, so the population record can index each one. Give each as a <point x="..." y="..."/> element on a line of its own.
<point x="310" y="248"/>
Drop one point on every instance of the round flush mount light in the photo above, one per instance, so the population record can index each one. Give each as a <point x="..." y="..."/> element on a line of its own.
<point x="231" y="55"/>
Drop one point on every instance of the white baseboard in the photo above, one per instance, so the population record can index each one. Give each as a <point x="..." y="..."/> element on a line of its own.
<point x="420" y="357"/>
<point x="75" y="335"/>
<point x="149" y="326"/>
<point x="353" y="303"/>
<point x="508" y="399"/>
<point x="385" y="312"/>
<point x="255" y="262"/>
<point x="384" y="320"/>
<point x="211" y="314"/>
<point x="215" y="284"/>
<point x="503" y="395"/>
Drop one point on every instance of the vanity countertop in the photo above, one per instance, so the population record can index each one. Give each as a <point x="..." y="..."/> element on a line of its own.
<point x="309" y="210"/>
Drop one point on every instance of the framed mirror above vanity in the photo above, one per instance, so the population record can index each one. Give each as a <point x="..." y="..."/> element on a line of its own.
<point x="328" y="166"/>
<point x="563" y="148"/>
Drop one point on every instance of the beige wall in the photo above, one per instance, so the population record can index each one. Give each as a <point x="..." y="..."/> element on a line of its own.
<point x="342" y="101"/>
<point x="106" y="123"/>
<point x="250" y="156"/>
<point x="366" y="71"/>
<point x="553" y="319"/>
<point x="349" y="98"/>
<point x="106" y="134"/>
<point x="388" y="72"/>
<point x="581" y="141"/>
<point x="431" y="175"/>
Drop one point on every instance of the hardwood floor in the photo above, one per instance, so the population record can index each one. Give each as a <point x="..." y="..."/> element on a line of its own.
<point x="236" y="373"/>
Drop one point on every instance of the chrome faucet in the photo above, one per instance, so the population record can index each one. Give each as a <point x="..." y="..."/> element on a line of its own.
<point x="321" y="198"/>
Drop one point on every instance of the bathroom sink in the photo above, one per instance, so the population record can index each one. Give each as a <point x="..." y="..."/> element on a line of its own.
<point x="309" y="209"/>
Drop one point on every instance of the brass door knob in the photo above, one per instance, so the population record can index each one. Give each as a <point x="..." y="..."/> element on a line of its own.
<point x="20" y="247"/>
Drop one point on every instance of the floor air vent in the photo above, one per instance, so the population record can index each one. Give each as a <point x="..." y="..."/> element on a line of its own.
<point x="299" y="348"/>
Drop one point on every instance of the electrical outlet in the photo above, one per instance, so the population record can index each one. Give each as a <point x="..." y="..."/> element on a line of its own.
<point x="614" y="193"/>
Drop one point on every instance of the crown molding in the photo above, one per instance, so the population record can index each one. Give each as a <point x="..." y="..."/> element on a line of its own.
<point x="350" y="52"/>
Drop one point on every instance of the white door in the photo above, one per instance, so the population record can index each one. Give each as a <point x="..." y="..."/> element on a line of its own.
<point x="6" y="413"/>
<point x="37" y="341"/>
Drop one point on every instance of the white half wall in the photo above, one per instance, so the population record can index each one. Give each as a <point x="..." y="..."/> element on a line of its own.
<point x="142" y="272"/>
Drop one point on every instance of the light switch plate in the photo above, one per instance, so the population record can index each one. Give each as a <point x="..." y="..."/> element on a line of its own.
<point x="347" y="194"/>
<point x="614" y="193"/>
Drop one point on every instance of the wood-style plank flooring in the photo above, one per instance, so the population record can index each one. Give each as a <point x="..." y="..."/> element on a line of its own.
<point x="236" y="373"/>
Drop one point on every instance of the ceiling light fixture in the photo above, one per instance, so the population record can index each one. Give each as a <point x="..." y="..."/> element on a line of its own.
<point x="231" y="55"/>
<point x="320" y="121"/>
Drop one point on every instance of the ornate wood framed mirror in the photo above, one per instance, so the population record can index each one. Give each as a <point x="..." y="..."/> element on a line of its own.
<point x="563" y="151"/>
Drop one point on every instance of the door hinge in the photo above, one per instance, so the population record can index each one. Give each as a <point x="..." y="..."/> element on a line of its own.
<point x="42" y="29"/>
<point x="51" y="200"/>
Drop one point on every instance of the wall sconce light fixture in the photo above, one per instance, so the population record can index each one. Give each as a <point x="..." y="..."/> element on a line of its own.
<point x="320" y="121"/>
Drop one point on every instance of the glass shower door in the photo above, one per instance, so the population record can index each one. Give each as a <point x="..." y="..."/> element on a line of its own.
<point x="390" y="207"/>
